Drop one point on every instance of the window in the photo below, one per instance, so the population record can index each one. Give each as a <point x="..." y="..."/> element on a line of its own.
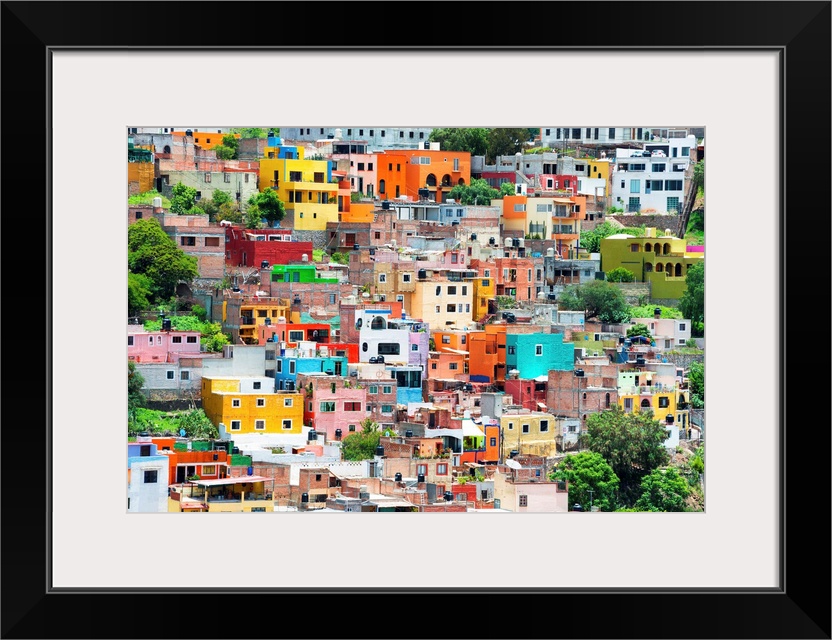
<point x="373" y="389"/>
<point x="387" y="408"/>
<point x="634" y="247"/>
<point x="635" y="186"/>
<point x="399" y="297"/>
<point x="451" y="308"/>
<point x="255" y="385"/>
<point x="151" y="476"/>
<point x="433" y="365"/>
<point x="188" y="241"/>
<point x="235" y="425"/>
<point x="453" y="366"/>
<point x="672" y="204"/>
<point x="287" y="424"/>
<point x="279" y="366"/>
<point x="261" y="402"/>
<point x="259" y="425"/>
<point x="184" y="375"/>
<point x="129" y="341"/>
<point x="511" y="349"/>
<point x="387" y="389"/>
<point x="524" y="501"/>
<point x="538" y="349"/>
<point x="327" y="407"/>
<point x="169" y="375"/>
<point x="672" y="185"/>
<point x="628" y="405"/>
<point x="452" y="290"/>
<point x="682" y="341"/>
<point x="525" y="428"/>
<point x="235" y="403"/>
<point x="209" y="469"/>
<point x="292" y="364"/>
<point x="361" y="166"/>
<point x="406" y="277"/>
<point x="544" y="424"/>
<point x="442" y="469"/>
<point x="446" y="339"/>
<point x="207" y="177"/>
<point x="191" y="339"/>
<point x="176" y="339"/>
<point x="388" y="348"/>
<point x="685" y="151"/>
<point x="664" y="402"/>
<point x="382" y="278"/>
<point x="511" y="426"/>
<point x="352" y="406"/>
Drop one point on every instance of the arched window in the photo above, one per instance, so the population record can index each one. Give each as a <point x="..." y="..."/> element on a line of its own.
<point x="378" y="323"/>
<point x="648" y="267"/>
<point x="659" y="267"/>
<point x="648" y="246"/>
<point x="166" y="149"/>
<point x="430" y="180"/>
<point x="645" y="404"/>
<point x="678" y="271"/>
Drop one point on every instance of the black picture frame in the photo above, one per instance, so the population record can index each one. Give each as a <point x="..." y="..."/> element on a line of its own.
<point x="799" y="609"/>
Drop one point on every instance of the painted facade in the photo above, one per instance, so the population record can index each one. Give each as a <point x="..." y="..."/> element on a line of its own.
<point x="535" y="354"/>
<point x="250" y="405"/>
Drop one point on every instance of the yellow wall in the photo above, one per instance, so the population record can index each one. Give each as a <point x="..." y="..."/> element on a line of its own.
<point x="423" y="303"/>
<point x="219" y="394"/>
<point x="535" y="442"/>
<point x="141" y="172"/>
<point x="309" y="200"/>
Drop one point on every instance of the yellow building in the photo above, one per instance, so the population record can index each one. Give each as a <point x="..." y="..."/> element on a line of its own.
<point x="599" y="169"/>
<point x="249" y="404"/>
<point x="306" y="187"/>
<point x="639" y="391"/>
<point x="529" y="433"/>
<point x="443" y="303"/>
<point x="485" y="289"/>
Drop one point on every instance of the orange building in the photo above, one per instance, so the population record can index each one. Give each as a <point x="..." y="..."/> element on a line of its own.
<point x="392" y="176"/>
<point x="436" y="170"/>
<point x="487" y="354"/>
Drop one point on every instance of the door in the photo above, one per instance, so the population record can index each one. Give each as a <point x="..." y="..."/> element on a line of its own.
<point x="180" y="474"/>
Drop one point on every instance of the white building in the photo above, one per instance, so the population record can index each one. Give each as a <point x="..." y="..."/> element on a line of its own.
<point x="147" y="489"/>
<point x="377" y="340"/>
<point x="652" y="179"/>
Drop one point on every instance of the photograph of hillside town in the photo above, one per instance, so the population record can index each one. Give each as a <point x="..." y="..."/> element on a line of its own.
<point x="376" y="319"/>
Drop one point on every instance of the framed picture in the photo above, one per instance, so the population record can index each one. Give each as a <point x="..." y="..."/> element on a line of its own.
<point x="756" y="75"/>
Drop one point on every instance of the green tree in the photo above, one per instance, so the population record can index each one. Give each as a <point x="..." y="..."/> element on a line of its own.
<point x="361" y="445"/>
<point x="692" y="302"/>
<point x="223" y="152"/>
<point x="478" y="192"/>
<point x="647" y="311"/>
<point x="135" y="383"/>
<point x="147" y="198"/>
<point x="585" y="472"/>
<point x="699" y="176"/>
<point x="632" y="444"/>
<point x="255" y="132"/>
<point x="696" y="380"/>
<point x="638" y="329"/>
<point x="253" y="219"/>
<point x="663" y="490"/>
<point x="503" y="141"/>
<point x="139" y="293"/>
<point x="197" y="425"/>
<point x="591" y="238"/>
<point x="183" y="199"/>
<point x="620" y="274"/>
<point x="472" y="140"/>
<point x="152" y="253"/>
<point x="597" y="299"/>
<point x="269" y="206"/>
<point x="506" y="189"/>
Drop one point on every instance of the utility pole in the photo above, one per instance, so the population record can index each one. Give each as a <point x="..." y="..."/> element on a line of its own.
<point x="590" y="491"/>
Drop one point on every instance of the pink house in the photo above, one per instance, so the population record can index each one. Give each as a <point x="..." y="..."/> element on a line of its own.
<point x="160" y="346"/>
<point x="334" y="406"/>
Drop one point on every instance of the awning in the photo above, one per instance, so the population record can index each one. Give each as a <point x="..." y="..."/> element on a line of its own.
<point x="470" y="429"/>
<point x="541" y="405"/>
<point x="225" y="481"/>
<point x="562" y="201"/>
<point x="459" y="351"/>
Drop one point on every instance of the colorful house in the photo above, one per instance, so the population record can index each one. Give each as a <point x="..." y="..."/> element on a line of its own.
<point x="430" y="173"/>
<point x="487" y="354"/>
<point x="147" y="477"/>
<point x="637" y="392"/>
<point x="334" y="406"/>
<point x="662" y="261"/>
<point x="535" y="354"/>
<point x="304" y="358"/>
<point x="250" y="405"/>
<point x="260" y="248"/>
<point x="528" y="432"/>
<point x="306" y="187"/>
